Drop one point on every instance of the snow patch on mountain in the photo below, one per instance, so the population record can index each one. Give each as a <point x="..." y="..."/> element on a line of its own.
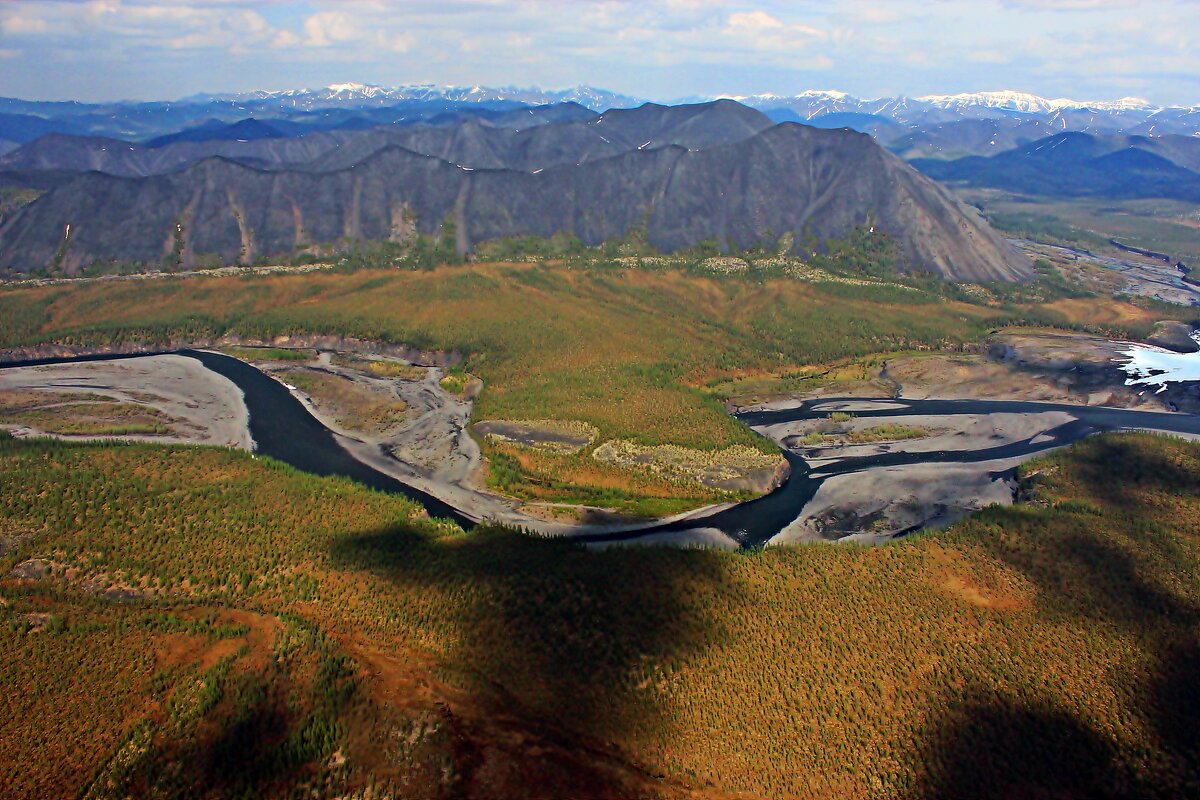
<point x="350" y="94"/>
<point x="1024" y="102"/>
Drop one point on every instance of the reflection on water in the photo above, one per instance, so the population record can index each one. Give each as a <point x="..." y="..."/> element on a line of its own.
<point x="1153" y="366"/>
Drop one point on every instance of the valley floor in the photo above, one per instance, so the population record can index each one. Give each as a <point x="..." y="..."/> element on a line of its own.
<point x="868" y="475"/>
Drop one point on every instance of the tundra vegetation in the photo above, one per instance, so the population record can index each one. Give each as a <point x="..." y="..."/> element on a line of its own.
<point x="182" y="622"/>
<point x="643" y="347"/>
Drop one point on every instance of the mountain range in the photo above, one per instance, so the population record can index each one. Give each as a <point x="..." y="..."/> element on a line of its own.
<point x="235" y="178"/>
<point x="689" y="173"/>
<point x="358" y="105"/>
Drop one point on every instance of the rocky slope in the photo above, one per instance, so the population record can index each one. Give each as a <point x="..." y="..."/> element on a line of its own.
<point x="787" y="179"/>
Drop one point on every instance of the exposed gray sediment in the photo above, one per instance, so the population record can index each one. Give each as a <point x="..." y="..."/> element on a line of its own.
<point x="205" y="408"/>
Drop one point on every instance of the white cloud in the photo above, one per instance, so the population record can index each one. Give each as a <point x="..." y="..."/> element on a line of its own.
<point x="17" y="25"/>
<point x="662" y="48"/>
<point x="329" y="27"/>
<point x="753" y="22"/>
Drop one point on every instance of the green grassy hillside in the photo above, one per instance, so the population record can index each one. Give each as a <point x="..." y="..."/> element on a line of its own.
<point x="184" y="622"/>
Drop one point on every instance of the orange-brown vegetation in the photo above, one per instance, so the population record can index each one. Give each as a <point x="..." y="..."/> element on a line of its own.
<point x="281" y="633"/>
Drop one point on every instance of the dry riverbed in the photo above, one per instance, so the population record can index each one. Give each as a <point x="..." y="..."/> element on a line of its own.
<point x="1129" y="273"/>
<point x="167" y="399"/>
<point x="411" y="421"/>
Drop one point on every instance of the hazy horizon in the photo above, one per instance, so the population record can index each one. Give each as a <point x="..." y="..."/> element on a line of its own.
<point x="593" y="86"/>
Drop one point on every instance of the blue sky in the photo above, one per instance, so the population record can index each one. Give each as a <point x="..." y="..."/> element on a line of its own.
<point x="661" y="49"/>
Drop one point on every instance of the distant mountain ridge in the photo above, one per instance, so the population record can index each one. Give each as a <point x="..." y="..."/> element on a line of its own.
<point x="1066" y="114"/>
<point x="353" y="103"/>
<point x="351" y="93"/>
<point x="1025" y="102"/>
<point x="1083" y="165"/>
<point x="525" y="139"/>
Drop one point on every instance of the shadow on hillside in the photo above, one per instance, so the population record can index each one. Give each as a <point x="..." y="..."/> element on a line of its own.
<point x="1088" y="575"/>
<point x="1175" y="697"/>
<point x="1109" y="565"/>
<point x="996" y="751"/>
<point x="1116" y="469"/>
<point x="568" y="644"/>
<point x="243" y="752"/>
<point x="1111" y="568"/>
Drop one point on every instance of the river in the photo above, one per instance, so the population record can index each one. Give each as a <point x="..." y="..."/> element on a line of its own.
<point x="284" y="429"/>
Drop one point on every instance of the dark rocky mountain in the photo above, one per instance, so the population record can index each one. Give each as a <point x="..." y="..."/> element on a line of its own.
<point x="1082" y="165"/>
<point x="787" y="179"/>
<point x="57" y="152"/>
<point x="531" y="116"/>
<point x="477" y="146"/>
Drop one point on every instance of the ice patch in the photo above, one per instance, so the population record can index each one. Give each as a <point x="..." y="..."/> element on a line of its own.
<point x="1154" y="366"/>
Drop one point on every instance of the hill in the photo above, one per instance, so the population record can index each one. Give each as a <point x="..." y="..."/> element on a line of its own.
<point x="1083" y="165"/>
<point x="197" y="621"/>
<point x="980" y="137"/>
<point x="523" y="139"/>
<point x="299" y="138"/>
<point x="248" y="129"/>
<point x="789" y="179"/>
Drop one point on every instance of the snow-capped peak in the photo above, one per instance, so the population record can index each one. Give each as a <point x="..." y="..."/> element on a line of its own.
<point x="1010" y="100"/>
<point x="832" y="94"/>
<point x="1124" y="104"/>
<point x="769" y="97"/>
<point x="354" y="90"/>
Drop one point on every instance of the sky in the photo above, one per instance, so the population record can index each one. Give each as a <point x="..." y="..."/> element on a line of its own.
<point x="99" y="50"/>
